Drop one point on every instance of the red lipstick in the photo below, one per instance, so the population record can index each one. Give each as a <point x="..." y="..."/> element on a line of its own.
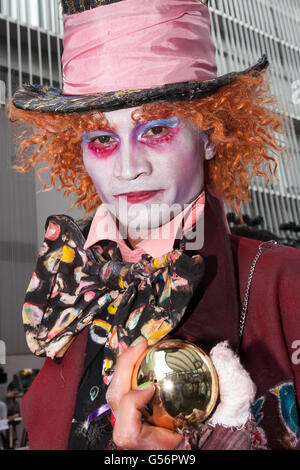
<point x="139" y="196"/>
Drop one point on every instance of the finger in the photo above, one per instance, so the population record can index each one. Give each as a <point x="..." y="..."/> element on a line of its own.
<point x="131" y="432"/>
<point x="121" y="381"/>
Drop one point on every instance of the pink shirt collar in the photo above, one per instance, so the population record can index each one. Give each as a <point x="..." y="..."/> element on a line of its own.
<point x="104" y="227"/>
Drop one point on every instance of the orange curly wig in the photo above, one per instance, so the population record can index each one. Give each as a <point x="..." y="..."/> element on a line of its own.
<point x="238" y="118"/>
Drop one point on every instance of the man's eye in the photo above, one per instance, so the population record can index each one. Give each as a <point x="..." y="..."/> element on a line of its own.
<point x="103" y="139"/>
<point x="159" y="131"/>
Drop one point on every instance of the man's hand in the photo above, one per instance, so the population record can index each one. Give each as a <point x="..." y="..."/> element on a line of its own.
<point x="237" y="392"/>
<point x="130" y="432"/>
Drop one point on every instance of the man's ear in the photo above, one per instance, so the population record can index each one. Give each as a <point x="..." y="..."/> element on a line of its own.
<point x="209" y="147"/>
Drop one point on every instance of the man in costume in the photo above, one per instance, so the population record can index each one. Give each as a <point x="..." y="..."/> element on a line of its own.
<point x="149" y="122"/>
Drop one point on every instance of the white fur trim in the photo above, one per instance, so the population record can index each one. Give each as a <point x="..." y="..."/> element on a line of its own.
<point x="237" y="391"/>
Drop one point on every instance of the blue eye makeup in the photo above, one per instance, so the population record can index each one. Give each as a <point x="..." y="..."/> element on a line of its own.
<point x="92" y="135"/>
<point x="104" y="142"/>
<point x="143" y="128"/>
<point x="139" y="130"/>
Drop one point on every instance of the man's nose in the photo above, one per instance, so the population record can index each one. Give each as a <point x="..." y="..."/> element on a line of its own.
<point x="131" y="162"/>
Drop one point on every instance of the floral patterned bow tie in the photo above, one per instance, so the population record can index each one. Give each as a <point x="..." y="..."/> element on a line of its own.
<point x="73" y="288"/>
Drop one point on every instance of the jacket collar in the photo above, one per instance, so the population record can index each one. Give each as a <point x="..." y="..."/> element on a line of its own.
<point x="213" y="315"/>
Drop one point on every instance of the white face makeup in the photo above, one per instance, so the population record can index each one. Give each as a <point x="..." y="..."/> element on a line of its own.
<point x="156" y="164"/>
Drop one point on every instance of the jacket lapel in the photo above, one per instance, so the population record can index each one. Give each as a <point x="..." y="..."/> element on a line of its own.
<point x="214" y="312"/>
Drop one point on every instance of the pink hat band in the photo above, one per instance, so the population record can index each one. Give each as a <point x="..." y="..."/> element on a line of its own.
<point x="137" y="44"/>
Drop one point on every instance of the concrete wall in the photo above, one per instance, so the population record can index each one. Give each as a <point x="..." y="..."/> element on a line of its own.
<point x="18" y="241"/>
<point x="23" y="216"/>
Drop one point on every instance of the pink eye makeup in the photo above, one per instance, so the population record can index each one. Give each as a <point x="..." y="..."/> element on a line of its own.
<point x="104" y="142"/>
<point x="100" y="142"/>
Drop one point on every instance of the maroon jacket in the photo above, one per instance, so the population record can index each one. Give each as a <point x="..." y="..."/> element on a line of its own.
<point x="267" y="351"/>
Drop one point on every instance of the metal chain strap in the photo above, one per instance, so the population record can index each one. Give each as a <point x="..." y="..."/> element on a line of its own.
<point x="263" y="246"/>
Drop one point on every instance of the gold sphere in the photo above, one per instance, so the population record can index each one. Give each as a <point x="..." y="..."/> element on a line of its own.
<point x="185" y="380"/>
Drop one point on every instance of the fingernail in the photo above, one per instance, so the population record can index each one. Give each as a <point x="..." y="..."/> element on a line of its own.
<point x="137" y="341"/>
<point x="145" y="385"/>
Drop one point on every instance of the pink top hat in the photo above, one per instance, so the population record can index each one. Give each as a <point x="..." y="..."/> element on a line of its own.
<point x="124" y="53"/>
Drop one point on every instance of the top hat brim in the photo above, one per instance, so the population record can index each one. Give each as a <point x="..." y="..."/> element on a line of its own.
<point x="46" y="99"/>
